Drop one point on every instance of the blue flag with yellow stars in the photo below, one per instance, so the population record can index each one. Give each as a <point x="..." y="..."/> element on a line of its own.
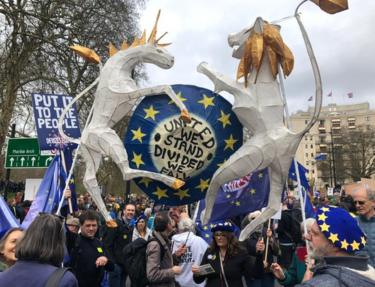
<point x="306" y="191"/>
<point x="49" y="193"/>
<point x="7" y="219"/>
<point x="240" y="196"/>
<point x="158" y="140"/>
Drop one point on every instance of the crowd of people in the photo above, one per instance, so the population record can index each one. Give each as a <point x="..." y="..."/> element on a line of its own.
<point x="161" y="246"/>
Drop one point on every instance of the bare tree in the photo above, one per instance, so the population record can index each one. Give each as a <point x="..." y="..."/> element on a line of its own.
<point x="351" y="156"/>
<point x="35" y="55"/>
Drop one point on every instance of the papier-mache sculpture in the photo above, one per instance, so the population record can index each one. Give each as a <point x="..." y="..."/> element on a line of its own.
<point x="115" y="97"/>
<point x="259" y="105"/>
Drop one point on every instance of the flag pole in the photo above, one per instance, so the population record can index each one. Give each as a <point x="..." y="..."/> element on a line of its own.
<point x="267" y="245"/>
<point x="73" y="164"/>
<point x="66" y="188"/>
<point x="287" y="120"/>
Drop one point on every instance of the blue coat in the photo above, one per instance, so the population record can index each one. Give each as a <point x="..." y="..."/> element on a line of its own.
<point x="33" y="274"/>
<point x="368" y="227"/>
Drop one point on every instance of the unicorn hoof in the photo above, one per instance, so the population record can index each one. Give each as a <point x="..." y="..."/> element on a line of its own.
<point x="185" y="116"/>
<point x="178" y="183"/>
<point x="111" y="223"/>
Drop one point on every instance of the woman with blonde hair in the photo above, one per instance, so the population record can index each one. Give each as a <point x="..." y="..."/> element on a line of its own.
<point x="8" y="247"/>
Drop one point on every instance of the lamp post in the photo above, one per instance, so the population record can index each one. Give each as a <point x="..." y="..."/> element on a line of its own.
<point x="333" y="181"/>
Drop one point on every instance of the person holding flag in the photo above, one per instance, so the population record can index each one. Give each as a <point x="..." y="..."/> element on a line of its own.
<point x="226" y="261"/>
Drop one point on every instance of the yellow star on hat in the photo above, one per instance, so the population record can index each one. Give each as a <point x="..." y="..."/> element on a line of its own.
<point x="333" y="237"/>
<point x="322" y="217"/>
<point x="344" y="244"/>
<point x="324" y="227"/>
<point x="355" y="245"/>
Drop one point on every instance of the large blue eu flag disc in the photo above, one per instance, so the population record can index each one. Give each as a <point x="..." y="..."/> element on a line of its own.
<point x="158" y="140"/>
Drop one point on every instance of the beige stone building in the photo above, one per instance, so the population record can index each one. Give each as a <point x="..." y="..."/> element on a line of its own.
<point x="333" y="119"/>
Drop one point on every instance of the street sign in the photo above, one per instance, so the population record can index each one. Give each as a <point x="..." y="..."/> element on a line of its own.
<point x="25" y="153"/>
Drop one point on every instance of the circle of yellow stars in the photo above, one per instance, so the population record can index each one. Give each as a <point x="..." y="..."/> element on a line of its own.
<point x="151" y="113"/>
<point x="334" y="237"/>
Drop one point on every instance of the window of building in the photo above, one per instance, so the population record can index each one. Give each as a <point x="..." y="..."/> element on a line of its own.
<point x="306" y="145"/>
<point x="306" y="122"/>
<point x="312" y="155"/>
<point x="311" y="146"/>
<point x="321" y="123"/>
<point x="307" y="163"/>
<point x="307" y="155"/>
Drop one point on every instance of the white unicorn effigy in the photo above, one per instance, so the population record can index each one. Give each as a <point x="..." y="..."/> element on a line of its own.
<point x="115" y="97"/>
<point x="259" y="105"/>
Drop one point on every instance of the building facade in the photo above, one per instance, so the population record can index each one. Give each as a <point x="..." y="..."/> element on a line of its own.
<point x="321" y="144"/>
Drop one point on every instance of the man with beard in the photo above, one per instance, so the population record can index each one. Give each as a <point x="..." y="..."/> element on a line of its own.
<point x="334" y="238"/>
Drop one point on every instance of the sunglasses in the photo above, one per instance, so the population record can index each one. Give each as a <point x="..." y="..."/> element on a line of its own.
<point x="359" y="202"/>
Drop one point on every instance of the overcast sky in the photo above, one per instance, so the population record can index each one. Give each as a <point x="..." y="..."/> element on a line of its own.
<point x="344" y="44"/>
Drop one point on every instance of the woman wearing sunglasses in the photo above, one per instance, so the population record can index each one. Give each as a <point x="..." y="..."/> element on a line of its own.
<point x="225" y="261"/>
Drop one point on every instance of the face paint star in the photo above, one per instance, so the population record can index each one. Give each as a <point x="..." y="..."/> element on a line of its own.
<point x="150" y="113"/>
<point x="203" y="184"/>
<point x="160" y="193"/>
<point x="325" y="209"/>
<point x="229" y="143"/>
<point x="224" y="118"/>
<point x="138" y="135"/>
<point x="182" y="193"/>
<point x="137" y="159"/>
<point x="207" y="101"/>
<point x="333" y="237"/>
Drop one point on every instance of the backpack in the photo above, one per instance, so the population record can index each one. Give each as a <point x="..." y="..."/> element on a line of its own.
<point x="56" y="276"/>
<point x="135" y="261"/>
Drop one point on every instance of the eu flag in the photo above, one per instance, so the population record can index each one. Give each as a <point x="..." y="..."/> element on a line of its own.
<point x="7" y="219"/>
<point x="309" y="210"/>
<point x="49" y="193"/>
<point x="241" y="196"/>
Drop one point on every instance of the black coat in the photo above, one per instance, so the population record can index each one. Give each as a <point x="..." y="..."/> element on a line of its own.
<point x="83" y="256"/>
<point x="274" y="249"/>
<point x="241" y="264"/>
<point x="115" y="239"/>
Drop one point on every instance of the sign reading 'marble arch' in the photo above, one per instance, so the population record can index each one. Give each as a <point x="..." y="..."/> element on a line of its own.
<point x="158" y="140"/>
